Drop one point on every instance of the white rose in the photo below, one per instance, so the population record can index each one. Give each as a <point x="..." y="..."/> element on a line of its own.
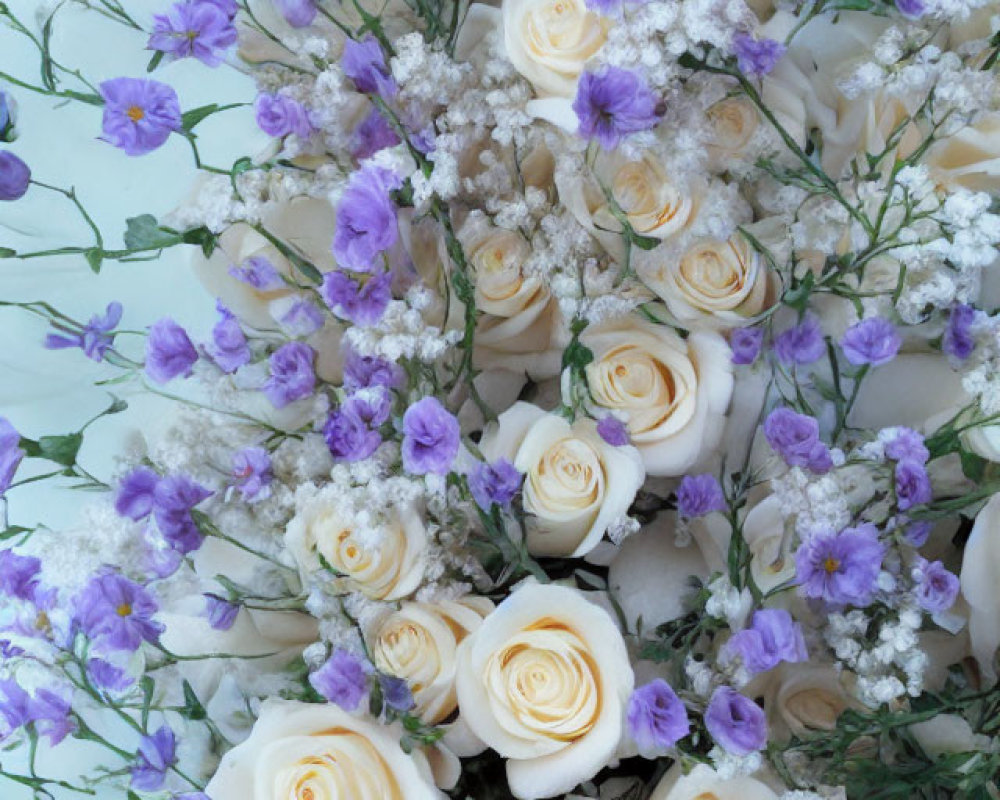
<point x="549" y="41"/>
<point x="575" y="484"/>
<point x="979" y="578"/>
<point x="544" y="682"/>
<point x="418" y="643"/>
<point x="309" y="751"/>
<point x="521" y="326"/>
<point x="733" y="121"/>
<point x="704" y="783"/>
<point x="772" y="560"/>
<point x="804" y="698"/>
<point x="675" y="391"/>
<point x="713" y="284"/>
<point x="384" y="561"/>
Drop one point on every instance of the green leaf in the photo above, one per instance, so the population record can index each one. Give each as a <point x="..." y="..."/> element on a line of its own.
<point x="14" y="530"/>
<point x="798" y="296"/>
<point x="95" y="257"/>
<point x="144" y="233"/>
<point x="191" y="118"/>
<point x="973" y="466"/>
<point x="60" y="449"/>
<point x="6" y="252"/>
<point x="203" y="237"/>
<point x="644" y="242"/>
<point x="193" y="709"/>
<point x="154" y="62"/>
<point x="147" y="685"/>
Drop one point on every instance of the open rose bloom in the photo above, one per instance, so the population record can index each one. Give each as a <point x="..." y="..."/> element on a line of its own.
<point x="526" y="399"/>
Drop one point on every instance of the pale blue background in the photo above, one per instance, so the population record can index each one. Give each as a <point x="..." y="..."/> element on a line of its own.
<point x="49" y="392"/>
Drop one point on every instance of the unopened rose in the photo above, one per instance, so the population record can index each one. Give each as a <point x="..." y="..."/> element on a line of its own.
<point x="544" y="682"/>
<point x="576" y="484"/>
<point x="805" y="698"/>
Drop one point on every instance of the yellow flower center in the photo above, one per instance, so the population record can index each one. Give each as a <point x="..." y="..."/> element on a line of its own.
<point x="831" y="565"/>
<point x="135" y="113"/>
<point x="124" y="610"/>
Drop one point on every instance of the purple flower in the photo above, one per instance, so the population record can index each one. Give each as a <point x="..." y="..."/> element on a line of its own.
<point x="699" y="495"/>
<point x="802" y="343"/>
<point x="279" y="115"/>
<point x="841" y="568"/>
<point x="227" y="7"/>
<point x="292" y="376"/>
<point x="105" y="675"/>
<point x="15" y="176"/>
<point x="259" y="273"/>
<point x="169" y="352"/>
<point x="252" y="471"/>
<point x="872" y="341"/>
<point x="656" y="717"/>
<point x="430" y="437"/>
<point x="613" y="103"/>
<point x="911" y="9"/>
<point x="913" y="485"/>
<point x="613" y="431"/>
<point x="936" y="588"/>
<point x="15" y="705"/>
<point x="221" y="613"/>
<point x="9" y="651"/>
<point x="298" y="13"/>
<point x="772" y="637"/>
<point x="117" y="612"/>
<point x="958" y="340"/>
<point x="396" y="692"/>
<point x="494" y="484"/>
<point x="139" y="114"/>
<point x="19" y="575"/>
<point x="371" y="406"/>
<point x="349" y="437"/>
<point x="11" y="454"/>
<point x="135" y="494"/>
<point x="745" y="344"/>
<point x="372" y="135"/>
<point x="364" y="63"/>
<point x="229" y="348"/>
<point x="917" y="533"/>
<point x="795" y="437"/>
<point x="156" y="754"/>
<point x="361" y="304"/>
<point x="297" y="317"/>
<point x="756" y="56"/>
<point x="173" y="499"/>
<point x="193" y="29"/>
<point x="362" y="372"/>
<point x="50" y="711"/>
<point x="94" y="339"/>
<point x="366" y="218"/>
<point x="735" y="722"/>
<point x="906" y="445"/>
<point x="342" y="679"/>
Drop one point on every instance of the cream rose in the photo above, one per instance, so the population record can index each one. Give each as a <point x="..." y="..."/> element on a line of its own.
<point x="979" y="578"/>
<point x="713" y="284"/>
<point x="704" y="783"/>
<point x="770" y="542"/>
<point x="418" y="643"/>
<point x="544" y="682"/>
<point x="675" y="391"/>
<point x="733" y="122"/>
<point x="549" y="41"/>
<point x="310" y="751"/>
<point x="970" y="158"/>
<point x="575" y="484"/>
<point x="804" y="698"/>
<point x="521" y="327"/>
<point x="384" y="560"/>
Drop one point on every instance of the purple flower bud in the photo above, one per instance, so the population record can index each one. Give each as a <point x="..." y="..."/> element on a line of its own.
<point x="872" y="341"/>
<point x="613" y="103"/>
<point x="292" y="376"/>
<point x="745" y="344"/>
<point x="657" y="719"/>
<point x="911" y="9"/>
<point x="15" y="176"/>
<point x="298" y="13"/>
<point x="366" y="218"/>
<point x="221" y="613"/>
<point x="917" y="533"/>
<point x="259" y="273"/>
<point x="396" y="692"/>
<point x="913" y="485"/>
<point x="252" y="473"/>
<point x="343" y="679"/>
<point x="15" y="704"/>
<point x="735" y="722"/>
<point x="613" y="431"/>
<point x="139" y="114"/>
<point x="94" y="338"/>
<point x="135" y="494"/>
<point x="430" y="438"/>
<point x="772" y="637"/>
<point x="495" y="483"/>
<point x="936" y="588"/>
<point x="279" y="115"/>
<point x="229" y="348"/>
<point x="958" y="340"/>
<point x="795" y="437"/>
<point x="699" y="495"/>
<point x="364" y="304"/>
<point x="11" y="454"/>
<point x="756" y="56"/>
<point x="200" y="30"/>
<point x="802" y="343"/>
<point x="364" y="63"/>
<point x="169" y="352"/>
<point x="906" y="445"/>
<point x="156" y="754"/>
<point x="372" y="135"/>
<point x="19" y="575"/>
<point x="174" y="498"/>
<point x="841" y="568"/>
<point x="117" y="613"/>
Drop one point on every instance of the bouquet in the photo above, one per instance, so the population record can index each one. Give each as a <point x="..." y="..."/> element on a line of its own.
<point x="602" y="403"/>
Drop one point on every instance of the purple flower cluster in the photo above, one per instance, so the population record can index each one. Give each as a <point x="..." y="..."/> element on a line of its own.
<point x="362" y="302"/>
<point x="139" y="114"/>
<point x="872" y="341"/>
<point x="795" y="437"/>
<point x="279" y="115"/>
<point x="936" y="588"/>
<point x="170" y="500"/>
<point x="958" y="340"/>
<point x="735" y="722"/>
<point x="431" y="437"/>
<point x="756" y="56"/>
<point x="169" y="351"/>
<point x="745" y="344"/>
<point x="157" y="753"/>
<point x="699" y="495"/>
<point x="15" y="177"/>
<point x="840" y="568"/>
<point x="913" y="484"/>
<point x="363" y="372"/>
<point x="95" y="338"/>
<point x="802" y="343"/>
<point x="292" y="375"/>
<point x="612" y="103"/>
<point x="656" y="717"/>
<point x="200" y="29"/>
<point x="19" y="575"/>
<point x="343" y="679"/>
<point x="366" y="218"/>
<point x="364" y="63"/>
<point x="11" y="454"/>
<point x="48" y="711"/>
<point x="906" y="444"/>
<point x="773" y="637"/>
<point x="117" y="613"/>
<point x="613" y="431"/>
<point x="352" y="431"/>
<point x="494" y="484"/>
